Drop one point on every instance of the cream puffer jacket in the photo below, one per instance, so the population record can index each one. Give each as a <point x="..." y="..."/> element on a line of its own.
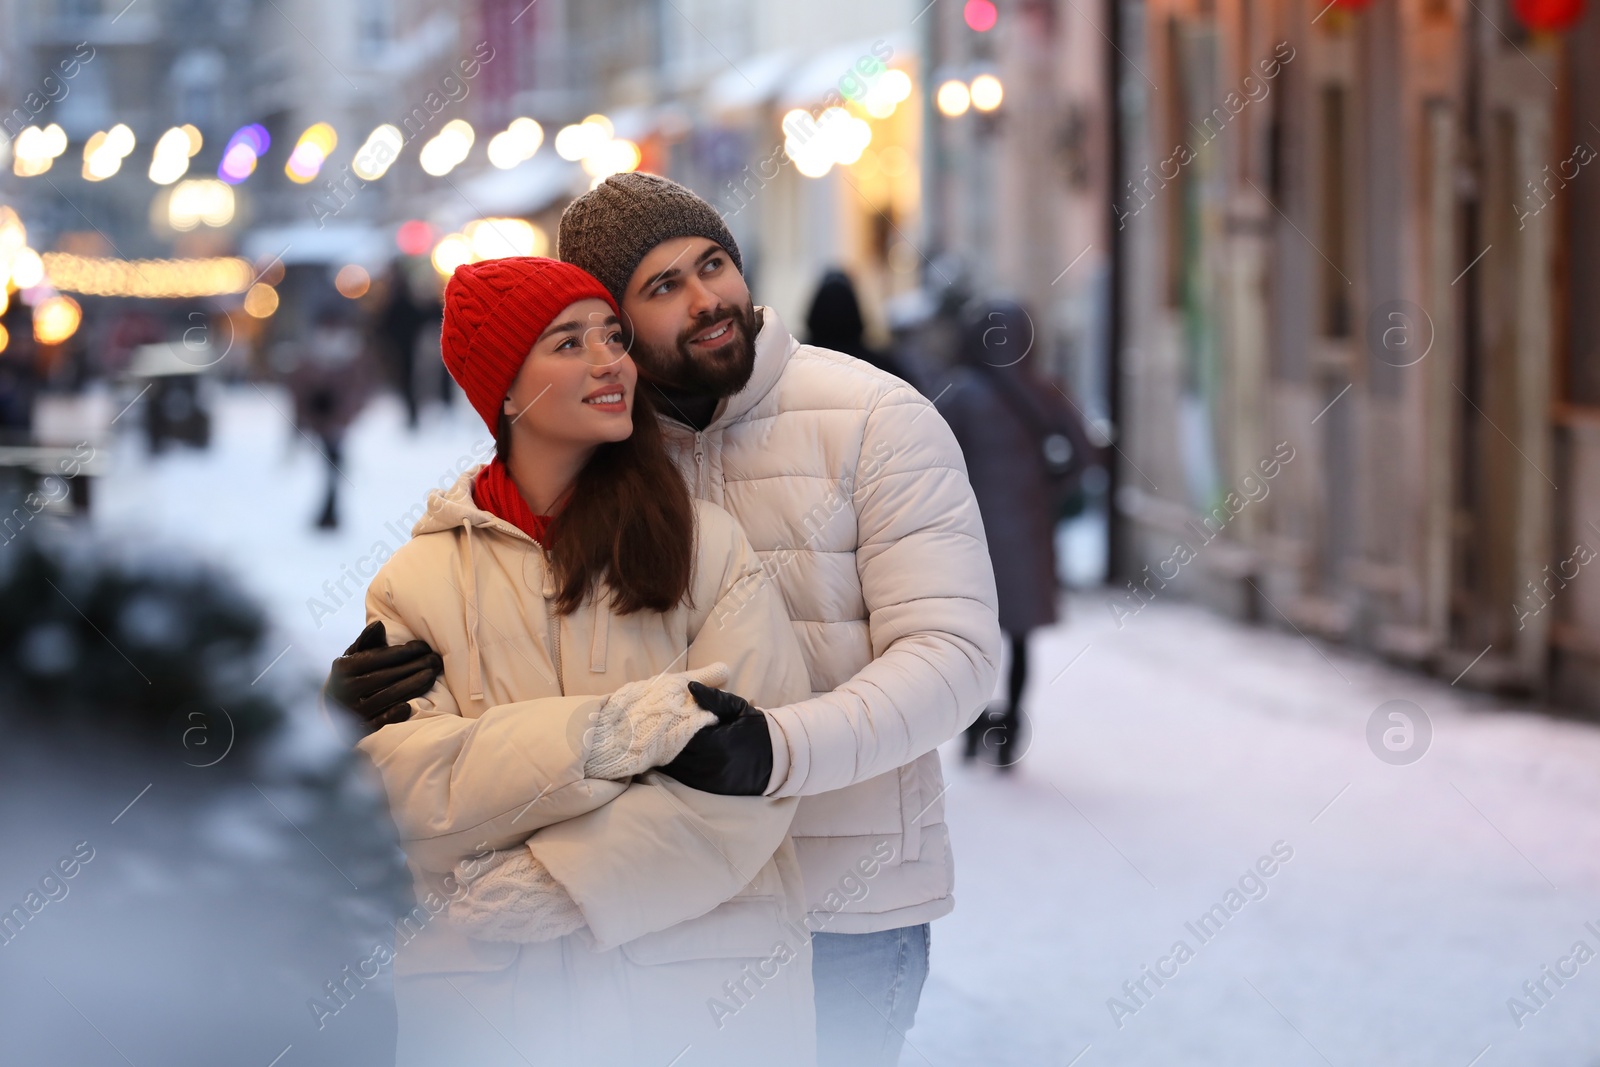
<point x="854" y="493"/>
<point x="682" y="892"/>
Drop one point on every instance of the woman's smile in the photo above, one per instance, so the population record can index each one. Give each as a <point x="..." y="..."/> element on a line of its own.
<point x="610" y="399"/>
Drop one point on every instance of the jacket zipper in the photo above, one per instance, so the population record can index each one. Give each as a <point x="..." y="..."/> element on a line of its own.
<point x="555" y="642"/>
<point x="555" y="630"/>
<point x="699" y="461"/>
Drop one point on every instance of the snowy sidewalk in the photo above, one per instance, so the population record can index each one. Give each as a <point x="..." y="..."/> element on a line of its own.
<point x="249" y="501"/>
<point x="1168" y="760"/>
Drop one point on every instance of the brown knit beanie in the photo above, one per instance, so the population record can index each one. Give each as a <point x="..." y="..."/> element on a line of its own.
<point x="613" y="226"/>
<point x="493" y="313"/>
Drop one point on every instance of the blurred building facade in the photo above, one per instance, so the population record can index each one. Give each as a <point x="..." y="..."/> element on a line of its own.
<point x="1364" y="237"/>
<point x="1363" y="232"/>
<point x="1016" y="185"/>
<point x="700" y="89"/>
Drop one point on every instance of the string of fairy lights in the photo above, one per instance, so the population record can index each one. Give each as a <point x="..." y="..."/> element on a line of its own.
<point x="187" y="202"/>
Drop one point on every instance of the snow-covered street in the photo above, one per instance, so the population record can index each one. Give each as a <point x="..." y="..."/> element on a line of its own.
<point x="1173" y="756"/>
<point x="1189" y="781"/>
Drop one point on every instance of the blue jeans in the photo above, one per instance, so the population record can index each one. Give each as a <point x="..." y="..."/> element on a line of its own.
<point x="867" y="987"/>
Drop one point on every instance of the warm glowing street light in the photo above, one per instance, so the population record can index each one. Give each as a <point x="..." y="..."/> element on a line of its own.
<point x="260" y="301"/>
<point x="953" y="98"/>
<point x="987" y="92"/>
<point x="516" y="143"/>
<point x="56" y="319"/>
<point x="441" y="154"/>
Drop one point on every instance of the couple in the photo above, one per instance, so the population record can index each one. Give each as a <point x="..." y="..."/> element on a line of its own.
<point x="659" y="689"/>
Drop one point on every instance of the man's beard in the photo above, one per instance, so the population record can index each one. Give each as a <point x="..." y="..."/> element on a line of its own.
<point x="721" y="373"/>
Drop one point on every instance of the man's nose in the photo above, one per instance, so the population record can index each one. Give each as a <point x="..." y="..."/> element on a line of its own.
<point x="703" y="303"/>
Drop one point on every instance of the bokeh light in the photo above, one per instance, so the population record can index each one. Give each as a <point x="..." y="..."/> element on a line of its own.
<point x="104" y="152"/>
<point x="55" y="319"/>
<point x="448" y="148"/>
<point x="816" y="144"/>
<point x="496" y="238"/>
<point x="310" y="152"/>
<point x="170" y="159"/>
<point x="200" y="200"/>
<point x="247" y="145"/>
<point x="612" y="157"/>
<point x="260" y="301"/>
<point x="378" y="153"/>
<point x="980" y="15"/>
<point x="414" y="237"/>
<point x="516" y="143"/>
<point x="887" y="93"/>
<point x="452" y="251"/>
<point x="352" y="281"/>
<point x="577" y="141"/>
<point x="35" y="149"/>
<point x="953" y="98"/>
<point x="987" y="92"/>
<point x="27" y="269"/>
<point x="161" y="279"/>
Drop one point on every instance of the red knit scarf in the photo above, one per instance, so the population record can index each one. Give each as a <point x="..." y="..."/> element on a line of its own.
<point x="495" y="492"/>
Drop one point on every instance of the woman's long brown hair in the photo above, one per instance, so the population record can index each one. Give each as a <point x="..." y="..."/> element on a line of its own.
<point x="628" y="523"/>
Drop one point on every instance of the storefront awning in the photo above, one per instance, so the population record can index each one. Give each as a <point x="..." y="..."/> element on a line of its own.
<point x="752" y="85"/>
<point x="810" y="83"/>
<point x="529" y="187"/>
<point x="369" y="246"/>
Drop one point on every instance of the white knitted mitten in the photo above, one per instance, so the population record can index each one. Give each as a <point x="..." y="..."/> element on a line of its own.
<point x="512" y="897"/>
<point x="645" y="724"/>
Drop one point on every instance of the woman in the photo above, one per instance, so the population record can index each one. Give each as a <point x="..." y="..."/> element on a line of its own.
<point x="1025" y="448"/>
<point x="571" y="567"/>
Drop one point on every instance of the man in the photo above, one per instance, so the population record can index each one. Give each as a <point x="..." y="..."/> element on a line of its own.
<point x="853" y="490"/>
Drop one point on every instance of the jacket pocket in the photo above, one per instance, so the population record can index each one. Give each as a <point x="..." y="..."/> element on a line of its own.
<point x="921" y="801"/>
<point x="744" y="927"/>
<point x="911" y="804"/>
<point x="869" y="807"/>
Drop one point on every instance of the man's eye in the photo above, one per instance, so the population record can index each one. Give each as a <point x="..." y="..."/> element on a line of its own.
<point x="661" y="290"/>
<point x="711" y="264"/>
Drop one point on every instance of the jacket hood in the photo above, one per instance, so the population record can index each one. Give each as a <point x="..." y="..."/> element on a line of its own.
<point x="453" y="508"/>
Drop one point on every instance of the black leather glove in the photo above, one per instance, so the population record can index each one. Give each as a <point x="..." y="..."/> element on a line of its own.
<point x="733" y="757"/>
<point x="375" y="680"/>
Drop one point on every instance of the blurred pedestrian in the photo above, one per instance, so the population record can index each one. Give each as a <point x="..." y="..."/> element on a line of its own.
<point x="1026" y="448"/>
<point x="398" y="325"/>
<point x="835" y="322"/>
<point x="331" y="382"/>
<point x="19" y="380"/>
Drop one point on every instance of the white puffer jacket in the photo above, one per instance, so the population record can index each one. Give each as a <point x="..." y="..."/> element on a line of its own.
<point x="854" y="493"/>
<point x="691" y="901"/>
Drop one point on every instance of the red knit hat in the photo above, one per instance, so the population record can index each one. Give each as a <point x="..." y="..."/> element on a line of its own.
<point x="493" y="313"/>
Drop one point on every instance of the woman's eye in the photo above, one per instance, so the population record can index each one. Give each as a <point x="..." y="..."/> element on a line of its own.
<point x="615" y="339"/>
<point x="569" y="342"/>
